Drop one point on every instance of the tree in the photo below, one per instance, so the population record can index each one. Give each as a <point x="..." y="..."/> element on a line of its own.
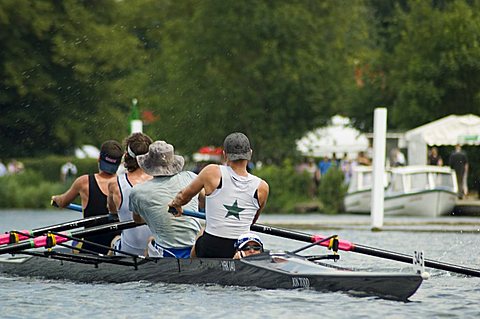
<point x="61" y="66"/>
<point x="436" y="63"/>
<point x="273" y="70"/>
<point x="429" y="64"/>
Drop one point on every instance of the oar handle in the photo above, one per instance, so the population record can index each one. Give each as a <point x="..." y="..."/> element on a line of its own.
<point x="74" y="207"/>
<point x="190" y="213"/>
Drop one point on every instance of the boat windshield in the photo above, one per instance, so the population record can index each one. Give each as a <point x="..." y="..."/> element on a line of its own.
<point x="418" y="182"/>
<point x="421" y="181"/>
<point x="443" y="180"/>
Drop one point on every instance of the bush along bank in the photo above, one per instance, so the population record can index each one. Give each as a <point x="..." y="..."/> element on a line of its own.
<point x="28" y="189"/>
<point x="289" y="189"/>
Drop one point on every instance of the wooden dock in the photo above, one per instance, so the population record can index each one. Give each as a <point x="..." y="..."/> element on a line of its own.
<point x="467" y="207"/>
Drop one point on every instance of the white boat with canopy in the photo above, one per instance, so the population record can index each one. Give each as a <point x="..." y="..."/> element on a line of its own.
<point x="420" y="190"/>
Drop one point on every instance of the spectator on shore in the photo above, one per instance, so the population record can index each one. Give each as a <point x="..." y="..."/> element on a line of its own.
<point x="434" y="158"/>
<point x="397" y="158"/>
<point x="311" y="168"/>
<point x="324" y="165"/>
<point x="15" y="167"/>
<point x="347" y="168"/>
<point x="68" y="171"/>
<point x="3" y="169"/>
<point x="459" y="162"/>
<point x="362" y="159"/>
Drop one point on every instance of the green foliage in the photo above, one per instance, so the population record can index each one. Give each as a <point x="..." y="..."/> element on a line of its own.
<point x="436" y="62"/>
<point x="49" y="167"/>
<point x="284" y="64"/>
<point x="332" y="191"/>
<point x="272" y="69"/>
<point x="27" y="190"/>
<point x="428" y="64"/>
<point x="287" y="187"/>
<point x="59" y="75"/>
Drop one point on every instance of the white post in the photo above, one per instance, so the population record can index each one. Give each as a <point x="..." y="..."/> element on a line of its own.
<point x="379" y="138"/>
<point x="136" y="124"/>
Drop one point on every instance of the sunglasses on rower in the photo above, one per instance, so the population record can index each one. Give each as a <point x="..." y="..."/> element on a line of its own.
<point x="254" y="247"/>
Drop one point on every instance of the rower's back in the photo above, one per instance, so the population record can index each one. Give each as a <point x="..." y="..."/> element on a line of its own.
<point x="93" y="190"/>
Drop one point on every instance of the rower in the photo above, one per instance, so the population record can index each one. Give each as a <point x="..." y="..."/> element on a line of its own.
<point x="133" y="240"/>
<point x="173" y="236"/>
<point x="248" y="244"/>
<point x="93" y="190"/>
<point x="234" y="199"/>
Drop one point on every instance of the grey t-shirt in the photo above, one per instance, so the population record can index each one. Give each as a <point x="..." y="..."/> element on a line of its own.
<point x="150" y="200"/>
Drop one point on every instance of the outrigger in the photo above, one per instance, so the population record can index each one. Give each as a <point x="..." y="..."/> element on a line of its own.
<point x="270" y="270"/>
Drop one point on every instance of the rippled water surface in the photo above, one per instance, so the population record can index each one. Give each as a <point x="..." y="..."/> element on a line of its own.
<point x="444" y="295"/>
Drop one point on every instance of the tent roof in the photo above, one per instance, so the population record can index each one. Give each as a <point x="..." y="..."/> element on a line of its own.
<point x="336" y="138"/>
<point x="450" y="130"/>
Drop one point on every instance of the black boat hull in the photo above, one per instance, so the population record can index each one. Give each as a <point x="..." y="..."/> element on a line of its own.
<point x="270" y="271"/>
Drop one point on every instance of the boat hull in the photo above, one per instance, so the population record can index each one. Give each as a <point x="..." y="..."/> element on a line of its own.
<point x="428" y="203"/>
<point x="270" y="271"/>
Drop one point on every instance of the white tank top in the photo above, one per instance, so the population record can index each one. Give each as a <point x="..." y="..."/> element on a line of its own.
<point x="230" y="209"/>
<point x="132" y="239"/>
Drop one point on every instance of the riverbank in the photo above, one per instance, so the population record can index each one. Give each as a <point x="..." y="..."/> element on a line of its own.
<point x="363" y="222"/>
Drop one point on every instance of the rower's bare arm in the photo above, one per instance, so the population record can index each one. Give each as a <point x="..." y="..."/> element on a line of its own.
<point x="194" y="188"/>
<point x="112" y="197"/>
<point x="263" y="191"/>
<point x="69" y="196"/>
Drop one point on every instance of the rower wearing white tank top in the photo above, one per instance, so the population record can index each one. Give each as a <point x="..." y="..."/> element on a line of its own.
<point x="234" y="199"/>
<point x="133" y="240"/>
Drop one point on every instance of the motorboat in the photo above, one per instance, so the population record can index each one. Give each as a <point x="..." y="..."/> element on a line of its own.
<point x="420" y="190"/>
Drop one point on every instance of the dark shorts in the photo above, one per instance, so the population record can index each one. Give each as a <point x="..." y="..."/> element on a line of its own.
<point x="104" y="239"/>
<point x="209" y="246"/>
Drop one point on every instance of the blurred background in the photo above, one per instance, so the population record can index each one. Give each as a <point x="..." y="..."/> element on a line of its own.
<point x="198" y="70"/>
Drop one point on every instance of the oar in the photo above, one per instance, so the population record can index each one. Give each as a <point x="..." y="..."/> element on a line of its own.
<point x="348" y="246"/>
<point x="16" y="236"/>
<point x="74" y="207"/>
<point x="51" y="240"/>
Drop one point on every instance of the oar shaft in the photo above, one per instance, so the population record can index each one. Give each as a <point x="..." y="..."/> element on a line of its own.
<point x="85" y="222"/>
<point x="348" y="246"/>
<point x="41" y="241"/>
<point x="409" y="260"/>
<point x="275" y="231"/>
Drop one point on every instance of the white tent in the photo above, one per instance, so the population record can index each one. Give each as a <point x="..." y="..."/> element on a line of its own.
<point x="87" y="151"/>
<point x="450" y="130"/>
<point x="337" y="138"/>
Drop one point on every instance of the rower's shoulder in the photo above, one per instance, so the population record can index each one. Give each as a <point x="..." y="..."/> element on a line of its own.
<point x="210" y="171"/>
<point x="81" y="181"/>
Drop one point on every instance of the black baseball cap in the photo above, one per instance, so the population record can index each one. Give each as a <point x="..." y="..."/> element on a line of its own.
<point x="110" y="156"/>
<point x="237" y="147"/>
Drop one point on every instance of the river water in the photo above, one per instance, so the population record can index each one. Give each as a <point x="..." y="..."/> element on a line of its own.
<point x="444" y="295"/>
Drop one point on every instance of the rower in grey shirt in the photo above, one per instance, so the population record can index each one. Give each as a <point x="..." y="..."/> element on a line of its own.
<point x="173" y="236"/>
